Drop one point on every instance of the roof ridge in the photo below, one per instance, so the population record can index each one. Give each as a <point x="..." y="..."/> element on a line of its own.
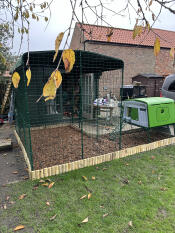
<point x="86" y="24"/>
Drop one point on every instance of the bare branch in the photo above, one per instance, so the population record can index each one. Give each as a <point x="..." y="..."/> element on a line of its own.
<point x="163" y="4"/>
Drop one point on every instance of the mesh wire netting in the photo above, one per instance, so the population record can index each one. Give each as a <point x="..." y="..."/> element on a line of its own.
<point x="22" y="115"/>
<point x="84" y="118"/>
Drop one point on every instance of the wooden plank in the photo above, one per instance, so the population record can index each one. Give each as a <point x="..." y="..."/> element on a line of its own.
<point x="6" y="96"/>
<point x="58" y="169"/>
<point x="5" y="144"/>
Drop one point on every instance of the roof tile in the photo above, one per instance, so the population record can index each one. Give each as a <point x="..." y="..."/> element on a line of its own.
<point x="124" y="36"/>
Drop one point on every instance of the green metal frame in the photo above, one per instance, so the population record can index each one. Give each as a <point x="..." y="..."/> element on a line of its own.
<point x="29" y="113"/>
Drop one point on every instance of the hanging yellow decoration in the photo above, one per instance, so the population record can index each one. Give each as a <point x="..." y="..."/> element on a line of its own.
<point x="15" y="79"/>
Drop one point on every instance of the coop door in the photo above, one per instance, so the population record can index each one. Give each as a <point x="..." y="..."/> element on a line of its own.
<point x="88" y="95"/>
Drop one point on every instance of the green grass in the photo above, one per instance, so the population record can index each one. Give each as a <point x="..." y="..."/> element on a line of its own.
<point x="117" y="190"/>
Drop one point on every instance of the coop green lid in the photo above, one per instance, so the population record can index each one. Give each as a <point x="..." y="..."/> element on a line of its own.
<point x="155" y="100"/>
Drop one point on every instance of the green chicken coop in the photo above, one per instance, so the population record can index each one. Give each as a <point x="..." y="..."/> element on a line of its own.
<point x="149" y="112"/>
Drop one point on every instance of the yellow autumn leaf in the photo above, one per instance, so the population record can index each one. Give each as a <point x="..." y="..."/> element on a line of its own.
<point x="172" y="52"/>
<point x="108" y="38"/>
<point x="85" y="220"/>
<point x="105" y="215"/>
<point x="49" y="88"/>
<point x="58" y="41"/>
<point x="49" y="98"/>
<point x="148" y="26"/>
<point x="52" y="84"/>
<point x="156" y="46"/>
<point x="51" y="184"/>
<point x="140" y="29"/>
<point x="15" y="79"/>
<point x="150" y="3"/>
<point x="47" y="203"/>
<point x="89" y="195"/>
<point x="53" y="217"/>
<point x="130" y="224"/>
<point x="20" y="227"/>
<point x="22" y="196"/>
<point x="56" y="75"/>
<point x="84" y="178"/>
<point x="57" y="44"/>
<point x="45" y="184"/>
<point x="68" y="59"/>
<point x="83" y="197"/>
<point x="28" y="75"/>
<point x="137" y="31"/>
<point x="109" y="34"/>
<point x="55" y="55"/>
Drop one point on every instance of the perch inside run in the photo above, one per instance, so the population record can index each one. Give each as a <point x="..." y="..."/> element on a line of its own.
<point x="93" y="76"/>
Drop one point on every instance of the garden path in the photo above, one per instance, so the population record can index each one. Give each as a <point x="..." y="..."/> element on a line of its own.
<point x="12" y="164"/>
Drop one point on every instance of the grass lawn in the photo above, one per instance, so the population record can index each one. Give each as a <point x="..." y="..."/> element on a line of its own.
<point x="133" y="194"/>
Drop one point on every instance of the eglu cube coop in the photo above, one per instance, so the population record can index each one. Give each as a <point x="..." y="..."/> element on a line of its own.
<point x="149" y="112"/>
<point x="77" y="123"/>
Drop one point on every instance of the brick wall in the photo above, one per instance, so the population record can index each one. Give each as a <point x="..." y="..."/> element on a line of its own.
<point x="164" y="63"/>
<point x="136" y="59"/>
<point x="77" y="39"/>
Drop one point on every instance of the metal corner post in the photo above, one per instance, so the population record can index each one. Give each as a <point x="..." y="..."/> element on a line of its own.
<point x="81" y="107"/>
<point x="27" y="123"/>
<point x="121" y="111"/>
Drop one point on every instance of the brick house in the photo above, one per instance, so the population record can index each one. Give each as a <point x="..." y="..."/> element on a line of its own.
<point x="137" y="53"/>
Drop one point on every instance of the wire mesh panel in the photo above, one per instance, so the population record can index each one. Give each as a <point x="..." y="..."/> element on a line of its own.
<point x="100" y="112"/>
<point x="79" y="122"/>
<point x="22" y="115"/>
<point x="42" y="113"/>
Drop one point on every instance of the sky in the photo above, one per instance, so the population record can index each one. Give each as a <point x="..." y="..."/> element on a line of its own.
<point x="42" y="38"/>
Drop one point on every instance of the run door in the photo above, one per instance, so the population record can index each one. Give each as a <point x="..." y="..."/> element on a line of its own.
<point x="88" y="95"/>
